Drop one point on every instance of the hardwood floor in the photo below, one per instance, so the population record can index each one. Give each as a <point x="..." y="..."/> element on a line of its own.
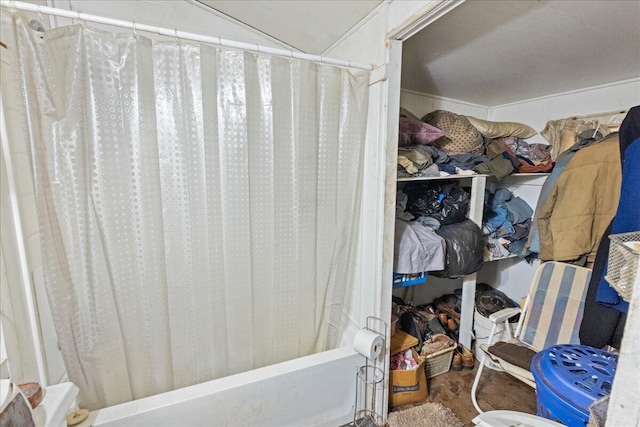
<point x="497" y="390"/>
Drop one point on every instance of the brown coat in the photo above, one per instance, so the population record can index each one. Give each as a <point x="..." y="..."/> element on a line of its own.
<point x="581" y="203"/>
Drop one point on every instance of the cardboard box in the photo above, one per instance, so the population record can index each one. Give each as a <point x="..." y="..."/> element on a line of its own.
<point x="407" y="386"/>
<point x="401" y="341"/>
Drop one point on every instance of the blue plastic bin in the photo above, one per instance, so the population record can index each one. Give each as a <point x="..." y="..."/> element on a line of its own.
<point x="569" y="378"/>
<point x="403" y="280"/>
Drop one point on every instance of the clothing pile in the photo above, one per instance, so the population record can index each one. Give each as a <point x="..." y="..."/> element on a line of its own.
<point x="417" y="156"/>
<point x="417" y="247"/>
<point x="432" y="232"/>
<point x="443" y="143"/>
<point x="522" y="157"/>
<point x="507" y="221"/>
<point x="565" y="133"/>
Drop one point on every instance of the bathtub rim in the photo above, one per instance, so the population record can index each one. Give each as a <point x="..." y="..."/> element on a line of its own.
<point x="122" y="411"/>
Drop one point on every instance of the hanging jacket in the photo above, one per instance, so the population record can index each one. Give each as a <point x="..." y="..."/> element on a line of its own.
<point x="605" y="316"/>
<point x="627" y="217"/>
<point x="581" y="203"/>
<point x="533" y="243"/>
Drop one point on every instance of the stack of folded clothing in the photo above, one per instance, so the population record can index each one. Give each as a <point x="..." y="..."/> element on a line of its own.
<point x="507" y="221"/>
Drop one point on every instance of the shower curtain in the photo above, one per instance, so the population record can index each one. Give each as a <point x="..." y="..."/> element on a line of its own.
<point x="198" y="206"/>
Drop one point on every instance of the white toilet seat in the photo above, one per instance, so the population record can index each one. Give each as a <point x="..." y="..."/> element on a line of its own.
<point x="512" y="419"/>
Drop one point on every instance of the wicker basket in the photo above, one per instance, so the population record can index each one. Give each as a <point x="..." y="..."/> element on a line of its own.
<point x="624" y="253"/>
<point x="439" y="362"/>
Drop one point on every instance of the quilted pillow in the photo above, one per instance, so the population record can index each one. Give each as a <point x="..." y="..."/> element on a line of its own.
<point x="502" y="129"/>
<point x="459" y="134"/>
<point x="413" y="132"/>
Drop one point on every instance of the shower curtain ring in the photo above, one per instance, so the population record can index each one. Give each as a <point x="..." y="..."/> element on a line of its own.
<point x="175" y="34"/>
<point x="79" y="17"/>
<point x="38" y="10"/>
<point x="135" y="29"/>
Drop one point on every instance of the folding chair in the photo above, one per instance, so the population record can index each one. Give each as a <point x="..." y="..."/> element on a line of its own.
<point x="551" y="315"/>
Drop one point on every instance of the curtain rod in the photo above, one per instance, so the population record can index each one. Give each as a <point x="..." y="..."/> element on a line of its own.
<point x="173" y="32"/>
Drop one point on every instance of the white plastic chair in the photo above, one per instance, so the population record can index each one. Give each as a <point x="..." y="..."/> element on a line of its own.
<point x="551" y="315"/>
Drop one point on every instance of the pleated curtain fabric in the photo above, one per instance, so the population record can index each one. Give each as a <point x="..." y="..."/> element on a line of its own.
<point x="199" y="206"/>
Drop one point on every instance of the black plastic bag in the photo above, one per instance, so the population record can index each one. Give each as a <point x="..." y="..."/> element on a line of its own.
<point x="492" y="300"/>
<point x="465" y="249"/>
<point x="444" y="201"/>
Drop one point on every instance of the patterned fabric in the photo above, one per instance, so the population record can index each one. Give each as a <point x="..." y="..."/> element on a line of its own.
<point x="556" y="305"/>
<point x="198" y="206"/>
<point x="460" y="136"/>
<point x="411" y="132"/>
<point x="554" y="310"/>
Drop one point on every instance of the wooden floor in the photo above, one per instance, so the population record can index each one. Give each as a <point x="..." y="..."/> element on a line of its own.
<point x="496" y="390"/>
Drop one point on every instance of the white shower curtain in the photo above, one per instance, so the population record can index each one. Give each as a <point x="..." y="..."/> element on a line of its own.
<point x="199" y="206"/>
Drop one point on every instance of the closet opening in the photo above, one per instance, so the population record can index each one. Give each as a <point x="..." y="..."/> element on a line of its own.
<point x="490" y="94"/>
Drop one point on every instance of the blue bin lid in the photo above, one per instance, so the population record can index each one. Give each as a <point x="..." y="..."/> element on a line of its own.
<point x="577" y="373"/>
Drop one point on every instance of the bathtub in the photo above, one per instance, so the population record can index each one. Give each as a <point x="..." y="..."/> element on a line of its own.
<point x="316" y="390"/>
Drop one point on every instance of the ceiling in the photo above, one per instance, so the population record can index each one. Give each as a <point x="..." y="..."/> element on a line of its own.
<point x="497" y="52"/>
<point x="309" y="26"/>
<point x="486" y="52"/>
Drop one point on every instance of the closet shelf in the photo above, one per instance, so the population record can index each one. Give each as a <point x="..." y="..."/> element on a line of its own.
<point x="432" y="178"/>
<point x="518" y="176"/>
<point x="478" y="184"/>
<point x="499" y="259"/>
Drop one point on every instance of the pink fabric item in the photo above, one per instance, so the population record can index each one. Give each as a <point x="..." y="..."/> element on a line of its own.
<point x="403" y="361"/>
<point x="415" y="132"/>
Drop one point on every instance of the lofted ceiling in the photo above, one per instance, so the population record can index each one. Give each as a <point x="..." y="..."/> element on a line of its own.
<point x="492" y="52"/>
<point x="309" y="26"/>
<point x="486" y="52"/>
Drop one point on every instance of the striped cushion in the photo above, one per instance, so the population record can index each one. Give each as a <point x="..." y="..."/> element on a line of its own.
<point x="556" y="305"/>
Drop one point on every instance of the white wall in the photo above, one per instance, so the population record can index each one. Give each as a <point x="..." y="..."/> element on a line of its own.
<point x="600" y="99"/>
<point x="421" y="104"/>
<point x="180" y="14"/>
